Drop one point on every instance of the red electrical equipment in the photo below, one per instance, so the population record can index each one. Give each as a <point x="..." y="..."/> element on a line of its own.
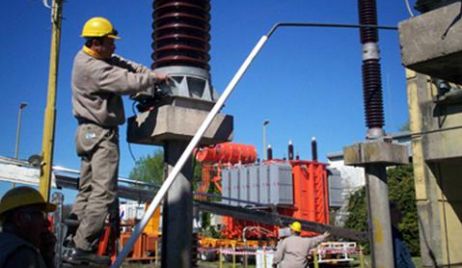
<point x="310" y="189"/>
<point x="311" y="200"/>
<point x="227" y="153"/>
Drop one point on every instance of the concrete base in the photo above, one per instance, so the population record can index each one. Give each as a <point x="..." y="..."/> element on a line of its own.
<point x="431" y="43"/>
<point x="376" y="152"/>
<point x="167" y="123"/>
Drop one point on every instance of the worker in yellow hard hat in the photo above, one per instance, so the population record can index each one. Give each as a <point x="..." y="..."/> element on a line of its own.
<point x="25" y="240"/>
<point x="99" y="79"/>
<point x="294" y="250"/>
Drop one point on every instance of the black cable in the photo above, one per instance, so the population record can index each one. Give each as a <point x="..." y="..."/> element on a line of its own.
<point x="414" y="134"/>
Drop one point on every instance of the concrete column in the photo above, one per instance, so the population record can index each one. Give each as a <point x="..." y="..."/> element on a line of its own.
<point x="375" y="156"/>
<point x="379" y="215"/>
<point x="177" y="211"/>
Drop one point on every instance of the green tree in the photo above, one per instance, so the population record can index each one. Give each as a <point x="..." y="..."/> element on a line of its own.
<point x="149" y="168"/>
<point x="401" y="191"/>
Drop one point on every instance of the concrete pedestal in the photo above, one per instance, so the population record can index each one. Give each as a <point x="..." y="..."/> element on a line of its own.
<point x="167" y="123"/>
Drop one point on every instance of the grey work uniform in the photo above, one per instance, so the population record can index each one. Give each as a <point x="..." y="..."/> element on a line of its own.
<point x="97" y="86"/>
<point x="16" y="252"/>
<point x="292" y="252"/>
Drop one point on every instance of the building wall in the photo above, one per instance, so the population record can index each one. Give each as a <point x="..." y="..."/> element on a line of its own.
<point x="436" y="129"/>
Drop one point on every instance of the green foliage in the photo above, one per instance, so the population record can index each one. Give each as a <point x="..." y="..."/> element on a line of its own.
<point x="149" y="168"/>
<point x="401" y="191"/>
<point x="207" y="229"/>
<point x="357" y="210"/>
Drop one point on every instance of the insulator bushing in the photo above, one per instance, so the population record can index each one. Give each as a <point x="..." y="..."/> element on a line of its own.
<point x="372" y="93"/>
<point x="181" y="33"/>
<point x="368" y="15"/>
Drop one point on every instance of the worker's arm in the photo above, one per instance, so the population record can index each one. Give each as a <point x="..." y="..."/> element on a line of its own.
<point x="129" y="65"/>
<point x="315" y="241"/>
<point x="123" y="82"/>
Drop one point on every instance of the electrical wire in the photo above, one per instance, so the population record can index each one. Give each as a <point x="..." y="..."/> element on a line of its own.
<point x="46" y="4"/>
<point x="135" y="161"/>
<point x="408" y="7"/>
<point x="417" y="134"/>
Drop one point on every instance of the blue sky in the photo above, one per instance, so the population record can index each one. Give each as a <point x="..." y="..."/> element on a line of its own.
<point x="306" y="81"/>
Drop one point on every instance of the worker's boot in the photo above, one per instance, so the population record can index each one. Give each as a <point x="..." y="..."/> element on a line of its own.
<point x="79" y="256"/>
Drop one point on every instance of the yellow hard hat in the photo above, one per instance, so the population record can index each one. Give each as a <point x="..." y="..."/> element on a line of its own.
<point x="296" y="226"/>
<point x="23" y="196"/>
<point x="99" y="27"/>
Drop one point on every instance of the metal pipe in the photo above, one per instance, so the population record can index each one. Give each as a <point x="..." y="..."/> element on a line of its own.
<point x="314" y="149"/>
<point x="265" y="153"/>
<point x="290" y="151"/>
<point x="58" y="199"/>
<point x="188" y="151"/>
<point x="269" y="152"/>
<point x="328" y="25"/>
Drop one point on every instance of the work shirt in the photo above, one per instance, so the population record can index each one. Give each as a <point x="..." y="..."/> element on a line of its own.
<point x="292" y="252"/>
<point x="15" y="252"/>
<point x="97" y="86"/>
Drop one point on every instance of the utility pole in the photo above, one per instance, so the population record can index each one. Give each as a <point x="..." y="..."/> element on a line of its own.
<point x="22" y="105"/>
<point x="50" y="110"/>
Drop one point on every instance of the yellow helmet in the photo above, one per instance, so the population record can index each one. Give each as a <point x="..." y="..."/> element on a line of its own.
<point x="296" y="226"/>
<point x="23" y="196"/>
<point x="99" y="27"/>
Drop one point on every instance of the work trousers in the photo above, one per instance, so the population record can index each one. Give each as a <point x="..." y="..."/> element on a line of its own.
<point x="99" y="150"/>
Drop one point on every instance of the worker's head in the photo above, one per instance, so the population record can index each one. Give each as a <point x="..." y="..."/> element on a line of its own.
<point x="100" y="35"/>
<point x="296" y="227"/>
<point x="23" y="211"/>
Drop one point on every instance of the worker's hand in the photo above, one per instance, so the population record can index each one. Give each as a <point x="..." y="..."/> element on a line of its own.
<point x="162" y="77"/>
<point x="326" y="235"/>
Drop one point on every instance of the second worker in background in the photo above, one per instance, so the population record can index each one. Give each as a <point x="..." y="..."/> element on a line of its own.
<point x="99" y="79"/>
<point x="293" y="251"/>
